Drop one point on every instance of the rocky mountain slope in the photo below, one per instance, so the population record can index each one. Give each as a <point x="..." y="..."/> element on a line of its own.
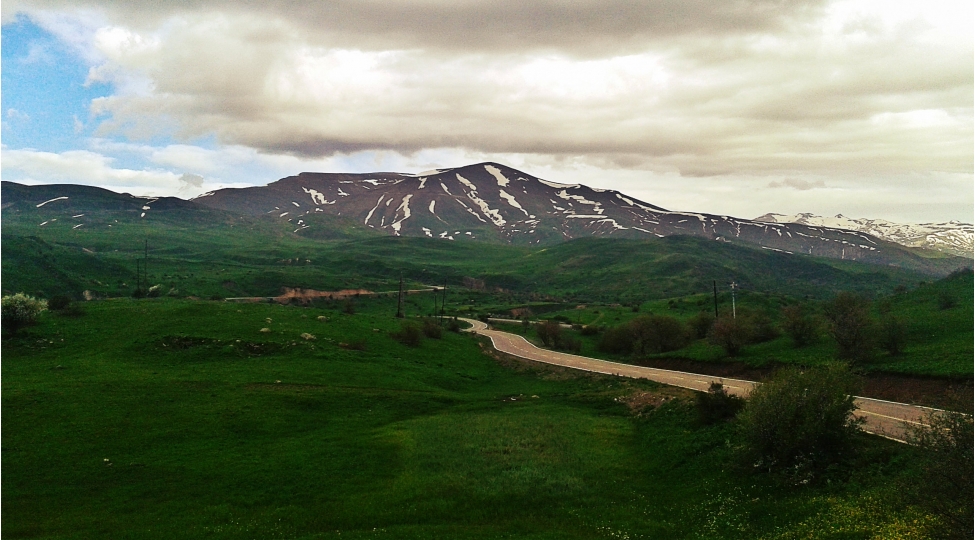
<point x="951" y="237"/>
<point x="492" y="202"/>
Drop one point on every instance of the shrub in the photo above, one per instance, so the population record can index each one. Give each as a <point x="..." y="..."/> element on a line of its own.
<point x="761" y="328"/>
<point x="799" y="325"/>
<point x="349" y="308"/>
<point x="848" y="315"/>
<point x="617" y="340"/>
<point x="800" y="421"/>
<point x="550" y="332"/>
<point x="409" y="334"/>
<point x="154" y="292"/>
<point x="453" y="325"/>
<point x="730" y="334"/>
<point x="700" y="324"/>
<point x="657" y="334"/>
<point x="946" y="300"/>
<point x="138" y="293"/>
<point x="717" y="404"/>
<point x="945" y="485"/>
<point x="590" y="330"/>
<point x="431" y="329"/>
<point x="893" y="334"/>
<point x="20" y="310"/>
<point x="571" y="344"/>
<point x="59" y="302"/>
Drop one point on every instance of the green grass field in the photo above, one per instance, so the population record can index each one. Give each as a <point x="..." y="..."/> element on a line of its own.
<point x="170" y="418"/>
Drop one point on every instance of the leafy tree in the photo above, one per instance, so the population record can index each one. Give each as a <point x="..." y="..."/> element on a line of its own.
<point x="800" y="421"/>
<point x="893" y="334"/>
<point x="550" y="332"/>
<point x="657" y="333"/>
<point x="730" y="334"/>
<point x="58" y="302"/>
<point x="700" y="324"/>
<point x="848" y="315"/>
<point x="799" y="324"/>
<point x="617" y="340"/>
<point x="20" y="310"/>
<point x="945" y="486"/>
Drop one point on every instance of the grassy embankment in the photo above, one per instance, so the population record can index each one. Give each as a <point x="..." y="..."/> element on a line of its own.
<point x="179" y="419"/>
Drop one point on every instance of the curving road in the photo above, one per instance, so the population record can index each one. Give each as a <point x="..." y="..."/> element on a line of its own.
<point x="884" y="418"/>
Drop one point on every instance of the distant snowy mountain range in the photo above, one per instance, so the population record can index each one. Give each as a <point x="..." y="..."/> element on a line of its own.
<point x="952" y="237"/>
<point x="483" y="202"/>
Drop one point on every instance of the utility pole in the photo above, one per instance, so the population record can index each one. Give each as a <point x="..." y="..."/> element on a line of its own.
<point x="443" y="302"/>
<point x="734" y="313"/>
<point x="399" y="299"/>
<point x="715" y="283"/>
<point x="138" y="275"/>
<point x="145" y="266"/>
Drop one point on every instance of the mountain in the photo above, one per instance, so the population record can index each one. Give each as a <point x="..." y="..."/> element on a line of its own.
<point x="492" y="202"/>
<point x="952" y="237"/>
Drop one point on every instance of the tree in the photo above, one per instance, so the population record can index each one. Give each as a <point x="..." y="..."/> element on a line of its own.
<point x="700" y="324"/>
<point x="550" y="332"/>
<point x="800" y="421"/>
<point x="892" y="334"/>
<point x="848" y="315"/>
<point x="799" y="325"/>
<point x="20" y="310"/>
<point x="945" y="486"/>
<point x="730" y="334"/>
<point x="617" y="340"/>
<point x="657" y="334"/>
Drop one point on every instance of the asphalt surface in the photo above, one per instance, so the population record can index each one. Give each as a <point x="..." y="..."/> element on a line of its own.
<point x="885" y="418"/>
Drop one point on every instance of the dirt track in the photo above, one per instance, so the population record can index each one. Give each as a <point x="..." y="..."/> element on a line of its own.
<point x="884" y="418"/>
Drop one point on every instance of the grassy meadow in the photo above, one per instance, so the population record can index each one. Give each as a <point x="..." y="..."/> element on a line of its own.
<point x="171" y="418"/>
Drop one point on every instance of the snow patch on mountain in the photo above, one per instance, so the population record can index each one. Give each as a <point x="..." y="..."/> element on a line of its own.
<point x="496" y="172"/>
<point x="317" y="197"/>
<point x="369" y="215"/>
<point x="466" y="182"/>
<point x="511" y="200"/>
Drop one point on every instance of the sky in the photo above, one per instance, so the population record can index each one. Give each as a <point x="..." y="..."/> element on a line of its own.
<point x="855" y="107"/>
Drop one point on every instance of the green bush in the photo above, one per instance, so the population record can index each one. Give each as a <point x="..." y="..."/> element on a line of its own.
<point x="431" y="329"/>
<point x="730" y="334"/>
<point x="700" y="324"/>
<point x="409" y="334"/>
<point x="616" y="340"/>
<point x="717" y="404"/>
<point x="800" y="421"/>
<point x="20" y="310"/>
<point x="945" y="486"/>
<point x="571" y="344"/>
<point x="657" y="334"/>
<point x="58" y="302"/>
<point x="893" y="334"/>
<point x="591" y="330"/>
<point x="799" y="325"/>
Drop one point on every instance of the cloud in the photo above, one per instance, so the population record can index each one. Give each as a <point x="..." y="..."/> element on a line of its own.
<point x="803" y="90"/>
<point x="83" y="167"/>
<point x="795" y="183"/>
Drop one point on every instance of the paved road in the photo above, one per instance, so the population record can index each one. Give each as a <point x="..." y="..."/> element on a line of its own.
<point x="884" y="418"/>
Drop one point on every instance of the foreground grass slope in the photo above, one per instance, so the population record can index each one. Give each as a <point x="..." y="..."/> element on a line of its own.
<point x="180" y="419"/>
